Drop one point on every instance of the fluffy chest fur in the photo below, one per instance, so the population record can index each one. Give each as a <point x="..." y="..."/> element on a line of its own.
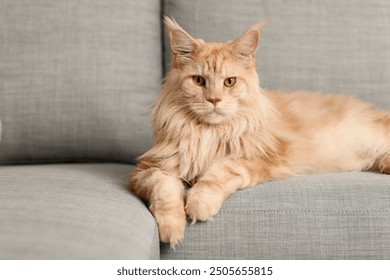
<point x="190" y="147"/>
<point x="186" y="146"/>
<point x="200" y="145"/>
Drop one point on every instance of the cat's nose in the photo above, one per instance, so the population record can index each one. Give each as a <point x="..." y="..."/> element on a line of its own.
<point x="214" y="100"/>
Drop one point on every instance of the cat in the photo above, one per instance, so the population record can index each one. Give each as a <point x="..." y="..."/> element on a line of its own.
<point x="216" y="132"/>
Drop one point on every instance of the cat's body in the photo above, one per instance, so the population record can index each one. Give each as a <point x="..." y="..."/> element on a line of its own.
<point x="330" y="133"/>
<point x="217" y="131"/>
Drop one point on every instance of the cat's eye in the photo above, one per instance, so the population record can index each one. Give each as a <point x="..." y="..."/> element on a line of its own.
<point x="229" y="82"/>
<point x="199" y="80"/>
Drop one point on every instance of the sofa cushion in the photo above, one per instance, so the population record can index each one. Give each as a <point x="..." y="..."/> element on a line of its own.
<point x="326" y="216"/>
<point x="77" y="78"/>
<point x="327" y="46"/>
<point x="73" y="211"/>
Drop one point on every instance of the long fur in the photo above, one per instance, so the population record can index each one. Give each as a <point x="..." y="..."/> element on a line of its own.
<point x="205" y="151"/>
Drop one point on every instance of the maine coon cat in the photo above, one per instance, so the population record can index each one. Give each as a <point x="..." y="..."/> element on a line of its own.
<point x="216" y="132"/>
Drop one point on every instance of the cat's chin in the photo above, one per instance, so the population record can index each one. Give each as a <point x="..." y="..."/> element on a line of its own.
<point x="213" y="118"/>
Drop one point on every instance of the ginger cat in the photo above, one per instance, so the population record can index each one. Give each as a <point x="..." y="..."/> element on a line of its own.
<point x="216" y="132"/>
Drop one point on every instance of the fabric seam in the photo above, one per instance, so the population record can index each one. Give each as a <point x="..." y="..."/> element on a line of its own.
<point x="306" y="211"/>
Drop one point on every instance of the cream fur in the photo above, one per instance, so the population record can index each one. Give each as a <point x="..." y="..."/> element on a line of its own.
<point x="218" y="139"/>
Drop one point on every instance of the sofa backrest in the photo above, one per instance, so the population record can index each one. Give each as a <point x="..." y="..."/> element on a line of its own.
<point x="77" y="79"/>
<point x="328" y="46"/>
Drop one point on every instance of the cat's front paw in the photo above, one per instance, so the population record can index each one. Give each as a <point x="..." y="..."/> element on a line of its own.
<point x="203" y="201"/>
<point x="171" y="225"/>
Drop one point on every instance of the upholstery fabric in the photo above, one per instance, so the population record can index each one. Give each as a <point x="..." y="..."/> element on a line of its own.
<point x="77" y="79"/>
<point x="326" y="216"/>
<point x="73" y="211"/>
<point x="326" y="46"/>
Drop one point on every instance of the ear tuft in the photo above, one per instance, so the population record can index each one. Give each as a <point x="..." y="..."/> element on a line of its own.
<point x="182" y="44"/>
<point x="246" y="45"/>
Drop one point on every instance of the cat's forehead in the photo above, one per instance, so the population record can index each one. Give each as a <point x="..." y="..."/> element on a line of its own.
<point x="212" y="49"/>
<point x="214" y="58"/>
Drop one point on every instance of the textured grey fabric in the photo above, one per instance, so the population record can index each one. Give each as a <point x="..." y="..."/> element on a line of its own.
<point x="77" y="78"/>
<point x="327" y="216"/>
<point x="74" y="211"/>
<point x="327" y="46"/>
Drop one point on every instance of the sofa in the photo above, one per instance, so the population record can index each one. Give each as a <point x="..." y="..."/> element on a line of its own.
<point x="77" y="82"/>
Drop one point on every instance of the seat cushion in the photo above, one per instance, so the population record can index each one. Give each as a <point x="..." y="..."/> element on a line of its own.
<point x="326" y="46"/>
<point x="73" y="211"/>
<point x="77" y="79"/>
<point x="327" y="216"/>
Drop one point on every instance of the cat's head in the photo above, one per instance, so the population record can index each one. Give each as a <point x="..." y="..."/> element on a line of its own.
<point x="214" y="80"/>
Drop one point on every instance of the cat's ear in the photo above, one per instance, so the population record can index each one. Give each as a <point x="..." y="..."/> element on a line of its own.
<point x="246" y="45"/>
<point x="182" y="44"/>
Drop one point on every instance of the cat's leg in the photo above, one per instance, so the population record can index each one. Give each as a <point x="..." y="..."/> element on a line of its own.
<point x="222" y="179"/>
<point x="165" y="194"/>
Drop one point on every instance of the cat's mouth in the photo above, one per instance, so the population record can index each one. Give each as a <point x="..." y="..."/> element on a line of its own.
<point x="215" y="116"/>
<point x="211" y="114"/>
<point x="217" y="110"/>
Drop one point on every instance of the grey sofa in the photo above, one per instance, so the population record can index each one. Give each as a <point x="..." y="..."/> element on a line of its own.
<point x="77" y="79"/>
